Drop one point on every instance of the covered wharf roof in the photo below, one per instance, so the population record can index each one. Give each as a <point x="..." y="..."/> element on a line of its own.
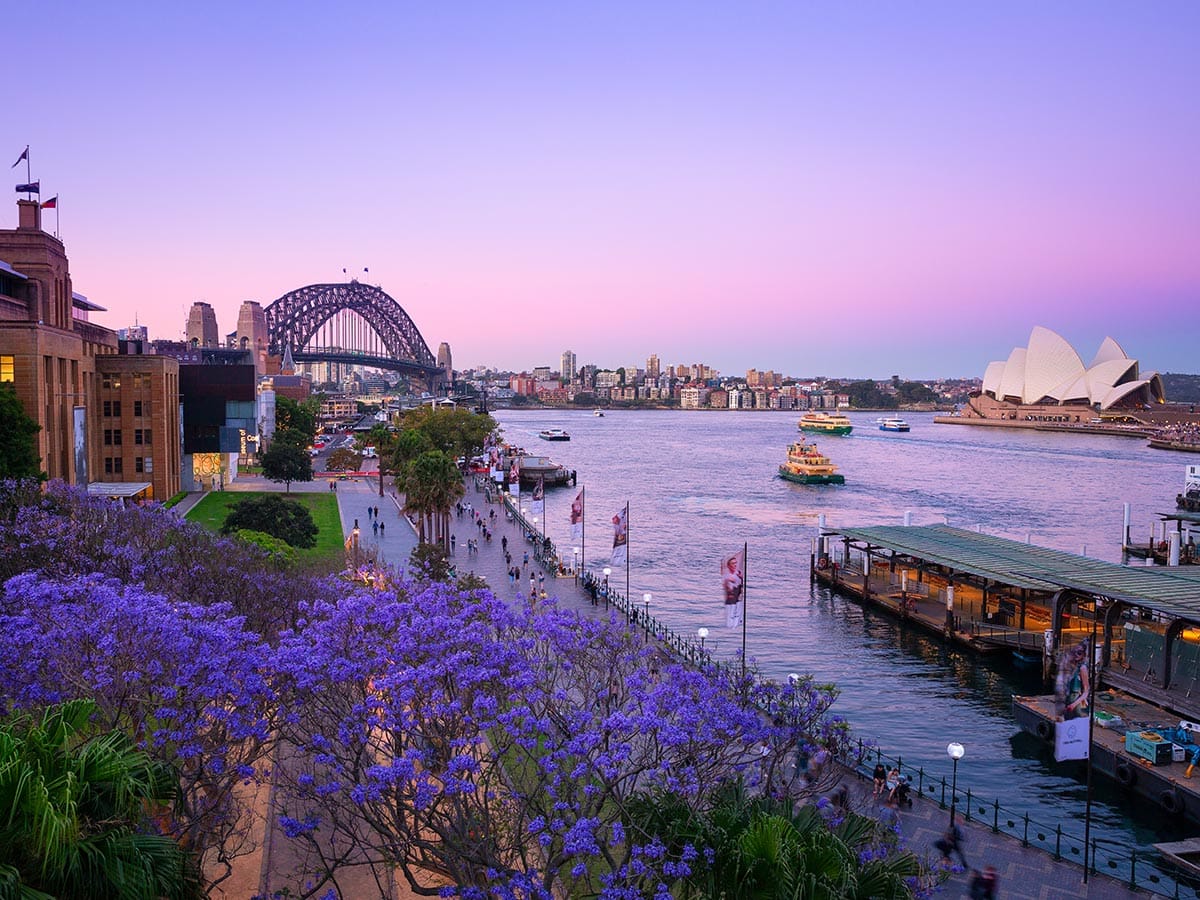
<point x="1174" y="590"/>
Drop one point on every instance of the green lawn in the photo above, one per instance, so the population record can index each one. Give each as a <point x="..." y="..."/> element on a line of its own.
<point x="329" y="552"/>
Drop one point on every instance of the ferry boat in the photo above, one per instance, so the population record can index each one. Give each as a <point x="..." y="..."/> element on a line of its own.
<point x="892" y="424"/>
<point x="554" y="434"/>
<point x="1189" y="500"/>
<point x="825" y="423"/>
<point x="806" y="465"/>
<point x="599" y="413"/>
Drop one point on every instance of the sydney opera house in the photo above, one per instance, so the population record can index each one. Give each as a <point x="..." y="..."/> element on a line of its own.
<point x="1048" y="381"/>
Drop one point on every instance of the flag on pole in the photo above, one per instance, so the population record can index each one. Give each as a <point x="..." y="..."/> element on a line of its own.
<point x="620" y="548"/>
<point x="514" y="473"/>
<point x="24" y="156"/>
<point x="577" y="517"/>
<point x="539" y="489"/>
<point x="34" y="187"/>
<point x="733" y="583"/>
<point x="52" y="203"/>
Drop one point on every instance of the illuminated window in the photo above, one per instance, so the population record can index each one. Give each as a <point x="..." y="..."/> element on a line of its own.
<point x="6" y="368"/>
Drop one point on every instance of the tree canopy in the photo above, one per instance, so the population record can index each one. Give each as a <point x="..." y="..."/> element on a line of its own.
<point x="457" y="431"/>
<point x="273" y="515"/>
<point x="286" y="462"/>
<point x="301" y="417"/>
<point x="18" y="438"/>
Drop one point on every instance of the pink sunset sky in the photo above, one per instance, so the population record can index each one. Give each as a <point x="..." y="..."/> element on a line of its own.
<point x="853" y="189"/>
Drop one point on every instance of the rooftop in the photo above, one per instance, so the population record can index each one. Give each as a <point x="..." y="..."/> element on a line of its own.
<point x="1173" y="590"/>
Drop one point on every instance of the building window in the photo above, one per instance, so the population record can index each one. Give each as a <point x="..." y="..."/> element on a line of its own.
<point x="149" y="466"/>
<point x="112" y="437"/>
<point x="137" y="464"/>
<point x="141" y="407"/>
<point x="141" y="435"/>
<point x="112" y="465"/>
<point x="110" y="382"/>
<point x="112" y="408"/>
<point x="6" y="368"/>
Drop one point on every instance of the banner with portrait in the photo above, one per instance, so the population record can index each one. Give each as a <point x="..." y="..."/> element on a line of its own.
<point x="733" y="585"/>
<point x="539" y="489"/>
<point x="577" y="517"/>
<point x="1073" y="685"/>
<point x="620" y="548"/>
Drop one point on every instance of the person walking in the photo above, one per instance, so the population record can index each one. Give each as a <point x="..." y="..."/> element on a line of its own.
<point x="452" y="541"/>
<point x="984" y="884"/>
<point x="504" y="543"/>
<point x="382" y="525"/>
<point x="951" y="842"/>
<point x="369" y="513"/>
<point x="377" y="512"/>
<point x="375" y="527"/>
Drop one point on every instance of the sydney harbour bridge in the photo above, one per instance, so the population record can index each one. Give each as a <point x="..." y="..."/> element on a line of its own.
<point x="352" y="323"/>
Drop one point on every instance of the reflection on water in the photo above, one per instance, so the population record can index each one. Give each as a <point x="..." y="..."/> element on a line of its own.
<point x="699" y="484"/>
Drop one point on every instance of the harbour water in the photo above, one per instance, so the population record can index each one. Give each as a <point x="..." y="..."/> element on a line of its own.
<point x="700" y="484"/>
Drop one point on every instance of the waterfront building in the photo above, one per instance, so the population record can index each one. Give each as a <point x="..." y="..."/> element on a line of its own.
<point x="652" y="367"/>
<point x="693" y="397"/>
<point x="1047" y="380"/>
<point x="567" y="366"/>
<point x="201" y="328"/>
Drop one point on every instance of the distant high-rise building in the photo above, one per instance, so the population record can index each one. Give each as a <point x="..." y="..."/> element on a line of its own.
<point x="202" y="325"/>
<point x="567" y="366"/>
<point x="541" y="373"/>
<point x="133" y="333"/>
<point x="652" y="366"/>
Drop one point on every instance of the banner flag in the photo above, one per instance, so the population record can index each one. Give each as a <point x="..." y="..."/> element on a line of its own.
<point x="620" y="548"/>
<point x="577" y="517"/>
<point x="514" y="474"/>
<point x="24" y="156"/>
<point x="733" y="583"/>
<point x="539" y="489"/>
<point x="52" y="203"/>
<point x="1073" y="686"/>
<point x="33" y="187"/>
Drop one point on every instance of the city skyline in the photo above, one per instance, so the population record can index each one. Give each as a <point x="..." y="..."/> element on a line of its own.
<point x="838" y="192"/>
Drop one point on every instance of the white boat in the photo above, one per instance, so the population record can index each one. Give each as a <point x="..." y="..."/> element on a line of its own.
<point x="598" y="413"/>
<point x="554" y="434"/>
<point x="892" y="424"/>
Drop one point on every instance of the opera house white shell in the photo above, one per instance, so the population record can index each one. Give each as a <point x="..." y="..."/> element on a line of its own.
<point x="1049" y="371"/>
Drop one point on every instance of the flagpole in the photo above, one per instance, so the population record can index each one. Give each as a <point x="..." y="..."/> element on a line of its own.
<point x="627" y="553"/>
<point x="583" y="530"/>
<point x="745" y="605"/>
<point x="29" y="177"/>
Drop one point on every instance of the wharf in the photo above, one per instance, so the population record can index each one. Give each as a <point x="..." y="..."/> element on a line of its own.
<point x="1166" y="444"/>
<point x="1136" y="431"/>
<point x="1165" y="785"/>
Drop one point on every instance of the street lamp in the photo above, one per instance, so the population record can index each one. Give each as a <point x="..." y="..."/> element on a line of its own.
<point x="575" y="563"/>
<point x="646" y="620"/>
<point x="607" y="571"/>
<point x="354" y="543"/>
<point x="956" y="752"/>
<point x="702" y="633"/>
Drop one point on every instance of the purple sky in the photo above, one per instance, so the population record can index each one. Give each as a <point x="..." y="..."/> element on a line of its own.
<point x="889" y="188"/>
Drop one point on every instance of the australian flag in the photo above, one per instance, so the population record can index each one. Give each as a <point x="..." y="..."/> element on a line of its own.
<point x="34" y="187"/>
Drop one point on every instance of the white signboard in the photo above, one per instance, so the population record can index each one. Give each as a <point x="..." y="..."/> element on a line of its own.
<point x="1071" y="739"/>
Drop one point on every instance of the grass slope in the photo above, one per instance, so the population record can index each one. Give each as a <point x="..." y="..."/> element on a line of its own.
<point x="329" y="552"/>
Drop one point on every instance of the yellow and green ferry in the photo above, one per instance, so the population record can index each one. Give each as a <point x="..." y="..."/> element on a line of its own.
<point x="825" y="423"/>
<point x="805" y="465"/>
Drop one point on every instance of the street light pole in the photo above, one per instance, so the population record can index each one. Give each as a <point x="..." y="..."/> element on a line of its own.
<point x="575" y="563"/>
<point x="646" y="620"/>
<point x="956" y="752"/>
<point x="702" y="633"/>
<point x="607" y="571"/>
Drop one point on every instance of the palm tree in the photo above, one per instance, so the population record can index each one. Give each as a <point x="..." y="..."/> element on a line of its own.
<point x="73" y="814"/>
<point x="432" y="484"/>
<point x="763" y="851"/>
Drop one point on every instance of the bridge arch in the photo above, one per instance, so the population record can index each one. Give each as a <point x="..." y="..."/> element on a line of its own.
<point x="295" y="318"/>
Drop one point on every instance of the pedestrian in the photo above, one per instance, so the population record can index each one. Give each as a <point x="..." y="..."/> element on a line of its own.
<point x="532" y="585"/>
<point x="984" y="884"/>
<point x="951" y="842"/>
<point x="541" y="579"/>
<point x="375" y="527"/>
<point x="382" y="525"/>
<point x="377" y="512"/>
<point x="525" y="561"/>
<point x="368" y="512"/>
<point x="356" y="523"/>
<point x="504" y="543"/>
<point x="452" y="541"/>
<point x="880" y="778"/>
